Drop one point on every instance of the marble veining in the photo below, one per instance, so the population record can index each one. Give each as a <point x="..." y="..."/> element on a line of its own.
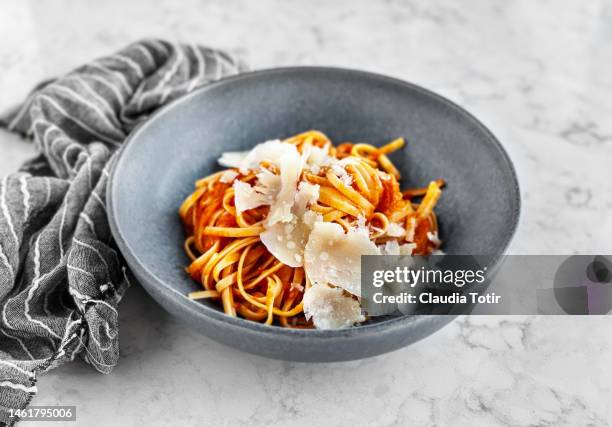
<point x="537" y="73"/>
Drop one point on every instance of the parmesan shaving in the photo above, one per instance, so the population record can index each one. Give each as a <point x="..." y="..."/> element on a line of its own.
<point x="290" y="165"/>
<point x="232" y="159"/>
<point x="307" y="194"/>
<point x="228" y="176"/>
<point x="318" y="158"/>
<point x="330" y="308"/>
<point x="269" y="151"/>
<point x="394" y="248"/>
<point x="390" y="248"/>
<point x="407" y="249"/>
<point x="361" y="225"/>
<point x="395" y="230"/>
<point x="342" y="174"/>
<point x="246" y="197"/>
<point x="268" y="183"/>
<point x="341" y="267"/>
<point x="433" y="238"/>
<point x="287" y="241"/>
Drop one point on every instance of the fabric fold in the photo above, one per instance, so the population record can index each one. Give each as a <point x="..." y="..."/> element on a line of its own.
<point x="61" y="276"/>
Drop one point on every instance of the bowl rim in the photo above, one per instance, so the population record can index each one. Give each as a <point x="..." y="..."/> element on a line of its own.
<point x="202" y="310"/>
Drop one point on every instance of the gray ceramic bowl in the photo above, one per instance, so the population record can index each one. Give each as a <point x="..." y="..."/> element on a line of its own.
<point x="157" y="168"/>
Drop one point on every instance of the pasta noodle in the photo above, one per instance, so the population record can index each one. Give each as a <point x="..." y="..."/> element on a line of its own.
<point x="357" y="186"/>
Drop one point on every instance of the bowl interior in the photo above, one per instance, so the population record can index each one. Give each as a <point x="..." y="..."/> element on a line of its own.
<point x="478" y="210"/>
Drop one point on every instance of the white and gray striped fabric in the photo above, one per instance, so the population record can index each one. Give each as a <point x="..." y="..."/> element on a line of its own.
<point x="61" y="276"/>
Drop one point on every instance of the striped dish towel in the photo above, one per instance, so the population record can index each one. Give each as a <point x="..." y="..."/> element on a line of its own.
<point x="61" y="276"/>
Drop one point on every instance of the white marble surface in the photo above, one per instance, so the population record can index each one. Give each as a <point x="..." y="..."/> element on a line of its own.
<point x="538" y="73"/>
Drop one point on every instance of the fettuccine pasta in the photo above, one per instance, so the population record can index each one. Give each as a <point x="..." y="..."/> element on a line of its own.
<point x="256" y="230"/>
